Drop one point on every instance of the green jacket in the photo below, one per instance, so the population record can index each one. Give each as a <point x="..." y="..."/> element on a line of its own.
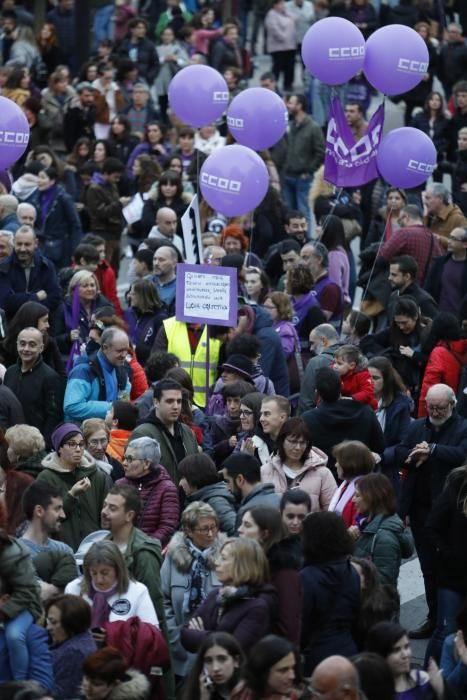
<point x="385" y="541"/>
<point x="305" y="151"/>
<point x="17" y="569"/>
<point x="168" y="459"/>
<point x="83" y="514"/>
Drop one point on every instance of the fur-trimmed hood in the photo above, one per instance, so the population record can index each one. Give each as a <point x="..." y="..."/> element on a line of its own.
<point x="52" y="461"/>
<point x="181" y="557"/>
<point x="135" y="688"/>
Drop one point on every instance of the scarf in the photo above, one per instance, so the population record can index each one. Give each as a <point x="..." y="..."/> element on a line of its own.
<point x="342" y="496"/>
<point x="196" y="592"/>
<point x="301" y="306"/>
<point x="100" y="605"/>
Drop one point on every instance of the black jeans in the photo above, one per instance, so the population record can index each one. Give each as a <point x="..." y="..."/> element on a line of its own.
<point x="284" y="62"/>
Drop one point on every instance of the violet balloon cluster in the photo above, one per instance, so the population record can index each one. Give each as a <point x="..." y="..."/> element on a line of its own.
<point x="394" y="59"/>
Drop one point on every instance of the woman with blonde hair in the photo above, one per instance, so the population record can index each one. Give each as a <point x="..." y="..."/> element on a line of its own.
<point x="245" y="605"/>
<point x="83" y="296"/>
<point x="26" y="448"/>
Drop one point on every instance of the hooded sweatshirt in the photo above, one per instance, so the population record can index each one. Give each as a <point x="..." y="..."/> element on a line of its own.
<point x="83" y="513"/>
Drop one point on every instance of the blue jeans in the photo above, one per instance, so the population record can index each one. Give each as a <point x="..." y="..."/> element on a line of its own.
<point x="15" y="636"/>
<point x="295" y="191"/>
<point x="449" y="603"/>
<point x="40" y="660"/>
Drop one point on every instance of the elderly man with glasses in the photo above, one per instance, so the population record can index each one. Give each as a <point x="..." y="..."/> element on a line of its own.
<point x="433" y="447"/>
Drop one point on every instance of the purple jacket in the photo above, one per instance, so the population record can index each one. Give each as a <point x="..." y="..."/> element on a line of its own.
<point x="248" y="618"/>
<point x="67" y="659"/>
<point x="160" y="510"/>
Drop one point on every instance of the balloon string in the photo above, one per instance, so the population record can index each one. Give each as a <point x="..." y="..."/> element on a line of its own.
<point x="383" y="237"/>
<point x="327" y="216"/>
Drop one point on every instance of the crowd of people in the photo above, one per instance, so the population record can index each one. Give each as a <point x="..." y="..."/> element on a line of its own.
<point x="202" y="513"/>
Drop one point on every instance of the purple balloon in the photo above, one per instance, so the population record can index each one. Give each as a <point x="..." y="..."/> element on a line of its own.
<point x="396" y="59"/>
<point x="198" y="95"/>
<point x="14" y="133"/>
<point x="234" y="180"/>
<point x="406" y="157"/>
<point x="333" y="50"/>
<point x="257" y="118"/>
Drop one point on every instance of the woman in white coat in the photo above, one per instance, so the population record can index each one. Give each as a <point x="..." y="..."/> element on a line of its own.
<point x="108" y="589"/>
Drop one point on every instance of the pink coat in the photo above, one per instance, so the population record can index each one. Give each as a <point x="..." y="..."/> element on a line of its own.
<point x="315" y="478"/>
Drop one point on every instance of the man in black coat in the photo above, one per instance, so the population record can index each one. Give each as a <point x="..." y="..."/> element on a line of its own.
<point x="336" y="419"/>
<point x="37" y="386"/>
<point x="27" y="275"/>
<point x="434" y="446"/>
<point x="402" y="275"/>
<point x="80" y="116"/>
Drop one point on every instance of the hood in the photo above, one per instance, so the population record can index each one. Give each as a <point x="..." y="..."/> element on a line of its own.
<point x="150" y="418"/>
<point x="105" y="467"/>
<point x="218" y="490"/>
<point x="316" y="458"/>
<point x="134" y="687"/>
<point x="343" y="412"/>
<point x="394" y="524"/>
<point x="178" y="551"/>
<point x="24" y="186"/>
<point x="52" y="461"/>
<point x="263" y="319"/>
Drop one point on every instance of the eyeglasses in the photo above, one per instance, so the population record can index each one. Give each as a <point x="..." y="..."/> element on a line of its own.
<point x="459" y="240"/>
<point x="437" y="408"/>
<point x="206" y="530"/>
<point x="246" y="413"/>
<point x="98" y="443"/>
<point x="130" y="459"/>
<point x="296" y="443"/>
<point x="75" y="445"/>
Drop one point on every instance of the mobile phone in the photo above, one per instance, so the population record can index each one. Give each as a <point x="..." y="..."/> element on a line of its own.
<point x="208" y="682"/>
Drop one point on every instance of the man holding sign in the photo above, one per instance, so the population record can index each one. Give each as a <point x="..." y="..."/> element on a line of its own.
<point x="205" y="295"/>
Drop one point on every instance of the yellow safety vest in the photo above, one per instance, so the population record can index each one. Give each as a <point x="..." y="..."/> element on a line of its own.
<point x="194" y="364"/>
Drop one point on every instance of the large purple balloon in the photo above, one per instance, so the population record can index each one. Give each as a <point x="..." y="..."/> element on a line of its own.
<point x="198" y="95"/>
<point x="333" y="50"/>
<point x="257" y="118"/>
<point x="396" y="59"/>
<point x="233" y="180"/>
<point x="14" y="133"/>
<point x="406" y="157"/>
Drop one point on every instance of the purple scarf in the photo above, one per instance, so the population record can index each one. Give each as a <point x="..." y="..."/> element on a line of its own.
<point x="100" y="605"/>
<point x="301" y="306"/>
<point x="47" y="198"/>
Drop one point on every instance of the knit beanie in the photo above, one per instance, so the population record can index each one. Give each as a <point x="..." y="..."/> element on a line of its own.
<point x="239" y="364"/>
<point x="61" y="433"/>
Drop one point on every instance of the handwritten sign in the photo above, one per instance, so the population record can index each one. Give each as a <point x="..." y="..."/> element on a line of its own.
<point x="206" y="294"/>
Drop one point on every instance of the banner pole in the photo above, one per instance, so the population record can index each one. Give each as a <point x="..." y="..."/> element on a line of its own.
<point x="208" y="361"/>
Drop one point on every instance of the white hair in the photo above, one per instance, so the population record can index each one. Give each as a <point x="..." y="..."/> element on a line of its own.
<point x="147" y="448"/>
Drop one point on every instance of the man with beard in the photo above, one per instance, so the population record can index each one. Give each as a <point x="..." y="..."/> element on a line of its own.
<point x="53" y="559"/>
<point x="434" y="446"/>
<point x="242" y="474"/>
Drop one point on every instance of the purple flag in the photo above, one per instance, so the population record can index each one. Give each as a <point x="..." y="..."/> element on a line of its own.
<point x="348" y="163"/>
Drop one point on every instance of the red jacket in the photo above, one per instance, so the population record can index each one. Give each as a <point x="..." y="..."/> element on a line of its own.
<point x="139" y="382"/>
<point x="108" y="284"/>
<point x="442" y="368"/>
<point x="160" y="510"/>
<point x="359" y="385"/>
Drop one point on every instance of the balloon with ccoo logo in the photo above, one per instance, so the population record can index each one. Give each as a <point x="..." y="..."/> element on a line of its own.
<point x="333" y="50"/>
<point x="406" y="157"/>
<point x="257" y="118"/>
<point x="14" y="133"/>
<point x="396" y="59"/>
<point x="198" y="95"/>
<point x="233" y="180"/>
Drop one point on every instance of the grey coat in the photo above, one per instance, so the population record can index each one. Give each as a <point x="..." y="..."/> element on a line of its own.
<point x="175" y="580"/>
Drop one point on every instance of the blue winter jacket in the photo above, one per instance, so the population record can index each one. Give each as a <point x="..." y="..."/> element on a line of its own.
<point x="15" y="290"/>
<point x="85" y="395"/>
